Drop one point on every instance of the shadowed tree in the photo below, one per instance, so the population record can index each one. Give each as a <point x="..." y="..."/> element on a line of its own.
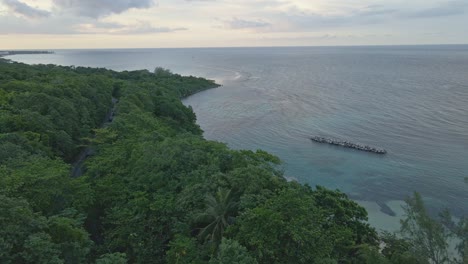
<point x="230" y="251"/>
<point x="219" y="213"/>
<point x="429" y="238"/>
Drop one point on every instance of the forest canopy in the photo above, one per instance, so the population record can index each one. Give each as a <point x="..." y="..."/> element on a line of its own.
<point x="153" y="190"/>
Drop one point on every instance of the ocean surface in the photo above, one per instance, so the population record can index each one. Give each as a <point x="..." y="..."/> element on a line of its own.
<point x="410" y="100"/>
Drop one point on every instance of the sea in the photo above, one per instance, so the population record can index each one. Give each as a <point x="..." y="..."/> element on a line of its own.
<point x="409" y="100"/>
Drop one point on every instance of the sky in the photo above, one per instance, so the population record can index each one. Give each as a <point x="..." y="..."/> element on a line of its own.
<point x="60" y="24"/>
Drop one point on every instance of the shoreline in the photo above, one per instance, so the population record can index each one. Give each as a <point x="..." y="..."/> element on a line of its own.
<point x="4" y="53"/>
<point x="77" y="164"/>
<point x="369" y="208"/>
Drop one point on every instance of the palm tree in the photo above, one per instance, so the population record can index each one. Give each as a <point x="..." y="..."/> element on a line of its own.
<point x="219" y="213"/>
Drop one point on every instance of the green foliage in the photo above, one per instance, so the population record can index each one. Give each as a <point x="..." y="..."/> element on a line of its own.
<point x="424" y="239"/>
<point x="112" y="258"/>
<point x="161" y="72"/>
<point x="217" y="216"/>
<point x="230" y="251"/>
<point x="155" y="191"/>
<point x="18" y="224"/>
<point x="57" y="104"/>
<point x="38" y="248"/>
<point x="285" y="229"/>
<point x="429" y="238"/>
<point x="399" y="250"/>
<point x="370" y="255"/>
<point x="72" y="240"/>
<point x="346" y="221"/>
<point x="461" y="232"/>
<point x="141" y="227"/>
<point x="45" y="183"/>
<point x="183" y="250"/>
<point x="29" y="237"/>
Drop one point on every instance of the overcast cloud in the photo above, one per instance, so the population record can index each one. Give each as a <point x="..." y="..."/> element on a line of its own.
<point x="176" y="23"/>
<point x="99" y="8"/>
<point x="25" y="10"/>
<point x="236" y="23"/>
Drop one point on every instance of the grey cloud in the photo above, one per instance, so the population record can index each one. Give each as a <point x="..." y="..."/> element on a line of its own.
<point x="52" y="26"/>
<point x="237" y="23"/>
<point x="107" y="25"/>
<point x="305" y="20"/>
<point x="57" y="25"/>
<point x="375" y="10"/>
<point x="100" y="8"/>
<point x="149" y="30"/>
<point x="324" y="39"/>
<point x="369" y="14"/>
<point x="25" y="10"/>
<point x="142" y="27"/>
<point x="145" y="28"/>
<point x="457" y="7"/>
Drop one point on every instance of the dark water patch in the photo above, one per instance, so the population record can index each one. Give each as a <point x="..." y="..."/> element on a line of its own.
<point x="327" y="161"/>
<point x="385" y="209"/>
<point x="332" y="172"/>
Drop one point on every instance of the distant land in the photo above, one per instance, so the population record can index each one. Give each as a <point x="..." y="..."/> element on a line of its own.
<point x="16" y="52"/>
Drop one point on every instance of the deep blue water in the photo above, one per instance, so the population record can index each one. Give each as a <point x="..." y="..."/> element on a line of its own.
<point x="410" y="100"/>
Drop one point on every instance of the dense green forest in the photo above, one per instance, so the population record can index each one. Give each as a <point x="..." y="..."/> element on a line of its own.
<point x="155" y="191"/>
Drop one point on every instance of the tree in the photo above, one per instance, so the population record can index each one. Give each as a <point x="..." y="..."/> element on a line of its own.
<point x="18" y="223"/>
<point x="44" y="182"/>
<point x="39" y="248"/>
<point x="70" y="237"/>
<point x="183" y="250"/>
<point x="28" y="237"/>
<point x="112" y="258"/>
<point x="287" y="228"/>
<point x="230" y="251"/>
<point x="129" y="197"/>
<point x="346" y="221"/>
<point x="462" y="234"/>
<point x="398" y="250"/>
<point x="161" y="72"/>
<point x="428" y="237"/>
<point x="218" y="214"/>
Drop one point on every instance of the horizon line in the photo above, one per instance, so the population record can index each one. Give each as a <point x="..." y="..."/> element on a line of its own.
<point x="226" y="47"/>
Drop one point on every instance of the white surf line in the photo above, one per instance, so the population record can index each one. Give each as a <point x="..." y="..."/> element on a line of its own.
<point x="237" y="74"/>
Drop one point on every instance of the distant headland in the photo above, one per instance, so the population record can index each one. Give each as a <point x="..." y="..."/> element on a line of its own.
<point x="22" y="52"/>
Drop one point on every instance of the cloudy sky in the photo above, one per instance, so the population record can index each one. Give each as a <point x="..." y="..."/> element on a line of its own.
<point x="49" y="24"/>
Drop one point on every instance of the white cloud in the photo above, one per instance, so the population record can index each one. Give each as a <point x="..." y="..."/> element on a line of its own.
<point x="237" y="23"/>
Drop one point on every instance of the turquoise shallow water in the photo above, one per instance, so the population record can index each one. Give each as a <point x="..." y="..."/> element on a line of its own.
<point x="412" y="101"/>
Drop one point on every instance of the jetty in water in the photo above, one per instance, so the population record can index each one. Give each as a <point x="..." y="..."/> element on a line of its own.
<point x="346" y="144"/>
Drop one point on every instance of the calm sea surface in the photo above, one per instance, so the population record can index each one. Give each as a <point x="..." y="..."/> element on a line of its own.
<point x="410" y="100"/>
